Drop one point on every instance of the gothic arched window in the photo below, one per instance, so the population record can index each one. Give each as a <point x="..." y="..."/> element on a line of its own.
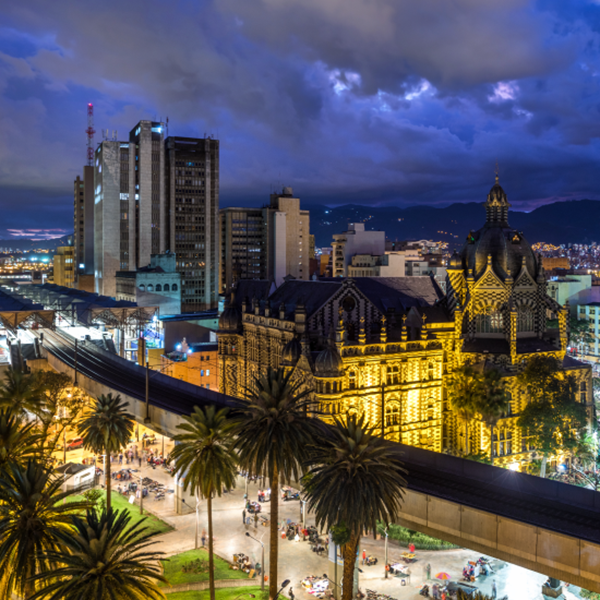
<point x="392" y="415"/>
<point x="526" y="320"/>
<point x="489" y="321"/>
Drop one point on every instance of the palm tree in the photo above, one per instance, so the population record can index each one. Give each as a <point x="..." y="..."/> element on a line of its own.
<point x="356" y="480"/>
<point x="464" y="390"/>
<point x="204" y="456"/>
<point x="22" y="393"/>
<point x="273" y="434"/>
<point x="492" y="402"/>
<point x="106" y="429"/>
<point x="18" y="440"/>
<point x="104" y="557"/>
<point x="33" y="517"/>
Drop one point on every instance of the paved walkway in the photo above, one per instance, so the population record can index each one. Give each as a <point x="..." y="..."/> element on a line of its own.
<point x="296" y="560"/>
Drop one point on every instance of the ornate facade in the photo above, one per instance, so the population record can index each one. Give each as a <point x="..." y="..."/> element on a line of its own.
<point x="385" y="347"/>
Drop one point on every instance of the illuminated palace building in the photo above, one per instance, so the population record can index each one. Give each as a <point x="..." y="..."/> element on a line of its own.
<point x="388" y="345"/>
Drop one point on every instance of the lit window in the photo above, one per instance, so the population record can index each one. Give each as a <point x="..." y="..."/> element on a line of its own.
<point x="207" y="372"/>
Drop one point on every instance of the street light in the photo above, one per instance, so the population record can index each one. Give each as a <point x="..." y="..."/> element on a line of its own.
<point x="262" y="563"/>
<point x="283" y="585"/>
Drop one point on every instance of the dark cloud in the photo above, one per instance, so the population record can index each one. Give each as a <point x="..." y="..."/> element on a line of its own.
<point x="368" y="101"/>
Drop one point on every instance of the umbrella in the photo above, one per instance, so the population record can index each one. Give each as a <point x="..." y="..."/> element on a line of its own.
<point x="443" y="576"/>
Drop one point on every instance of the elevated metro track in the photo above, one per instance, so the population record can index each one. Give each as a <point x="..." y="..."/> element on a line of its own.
<point x="543" y="525"/>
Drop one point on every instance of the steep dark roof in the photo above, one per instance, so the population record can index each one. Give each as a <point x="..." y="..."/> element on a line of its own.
<point x="312" y="294"/>
<point x="399" y="293"/>
<point x="247" y="289"/>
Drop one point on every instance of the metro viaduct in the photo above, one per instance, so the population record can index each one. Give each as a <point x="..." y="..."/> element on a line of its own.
<point x="542" y="525"/>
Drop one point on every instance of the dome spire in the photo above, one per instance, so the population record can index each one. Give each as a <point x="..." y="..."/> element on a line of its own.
<point x="496" y="206"/>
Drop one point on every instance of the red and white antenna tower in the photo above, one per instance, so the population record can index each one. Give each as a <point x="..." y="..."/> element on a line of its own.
<point x="90" y="131"/>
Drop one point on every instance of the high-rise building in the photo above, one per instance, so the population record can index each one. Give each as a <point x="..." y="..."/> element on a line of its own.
<point x="265" y="243"/>
<point x="83" y="223"/>
<point x="243" y="245"/>
<point x="64" y="268"/>
<point x="114" y="223"/>
<point x="289" y="243"/>
<point x="152" y="196"/>
<point x="192" y="197"/>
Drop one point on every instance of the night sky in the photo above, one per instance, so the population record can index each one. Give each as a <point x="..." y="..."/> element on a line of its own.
<point x="397" y="102"/>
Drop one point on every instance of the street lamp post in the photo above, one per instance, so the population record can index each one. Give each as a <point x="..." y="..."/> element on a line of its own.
<point x="142" y="484"/>
<point x="283" y="586"/>
<point x="386" y="552"/>
<point x="262" y="563"/>
<point x="75" y="362"/>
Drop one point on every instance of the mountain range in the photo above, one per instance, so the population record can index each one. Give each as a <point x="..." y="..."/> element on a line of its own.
<point x="573" y="221"/>
<point x="26" y="244"/>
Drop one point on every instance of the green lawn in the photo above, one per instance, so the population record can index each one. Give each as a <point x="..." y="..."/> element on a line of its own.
<point x="175" y="576"/>
<point x="119" y="502"/>
<point x="221" y="594"/>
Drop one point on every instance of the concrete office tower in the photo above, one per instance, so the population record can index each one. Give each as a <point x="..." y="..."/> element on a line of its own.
<point x="265" y="243"/>
<point x="244" y="235"/>
<point x="147" y="178"/>
<point x="83" y="223"/>
<point x="192" y="196"/>
<point x="288" y="243"/>
<point x="129" y="215"/>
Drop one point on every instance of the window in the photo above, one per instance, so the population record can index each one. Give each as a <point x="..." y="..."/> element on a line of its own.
<point x="166" y="287"/>
<point x="392" y="376"/>
<point x="525" y="320"/>
<point x="201" y="372"/>
<point x="502" y="443"/>
<point x="207" y="372"/>
<point x="150" y="287"/>
<point x="328" y="388"/>
<point x="489" y="321"/>
<point x="352" y="380"/>
<point x="392" y="415"/>
<point x="174" y="287"/>
<point x="158" y="287"/>
<point x="208" y="386"/>
<point x="143" y="287"/>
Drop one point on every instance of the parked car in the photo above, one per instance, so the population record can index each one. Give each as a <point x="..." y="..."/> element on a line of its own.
<point x="74" y="444"/>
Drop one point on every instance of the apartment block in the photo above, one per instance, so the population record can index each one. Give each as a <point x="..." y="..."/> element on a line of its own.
<point x="83" y="223"/>
<point x="265" y="243"/>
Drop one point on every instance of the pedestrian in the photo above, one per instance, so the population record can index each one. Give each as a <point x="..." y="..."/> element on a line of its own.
<point x="140" y="461"/>
<point x="244" y="516"/>
<point x="428" y="571"/>
<point x="364" y="556"/>
<point x="411" y="548"/>
<point x="494" y="591"/>
<point x="291" y="593"/>
<point x="203" y="537"/>
<point x="255" y="520"/>
<point x="121" y="458"/>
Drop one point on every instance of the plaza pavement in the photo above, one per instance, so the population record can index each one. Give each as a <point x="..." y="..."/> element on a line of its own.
<point x="296" y="560"/>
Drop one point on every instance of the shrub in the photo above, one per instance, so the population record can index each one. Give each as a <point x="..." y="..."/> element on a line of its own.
<point x="420" y="540"/>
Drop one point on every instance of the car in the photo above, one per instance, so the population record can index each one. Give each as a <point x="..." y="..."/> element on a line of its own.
<point x="74" y="444"/>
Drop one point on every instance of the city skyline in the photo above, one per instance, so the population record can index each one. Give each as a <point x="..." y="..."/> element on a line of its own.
<point x="345" y="106"/>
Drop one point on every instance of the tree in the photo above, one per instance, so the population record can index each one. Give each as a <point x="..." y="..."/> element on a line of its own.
<point x="492" y="401"/>
<point x="63" y="406"/>
<point x="273" y="433"/>
<point x="104" y="557"/>
<point x="553" y="420"/>
<point x="204" y="456"/>
<point x="106" y="429"/>
<point x="18" y="440"/>
<point x="356" y="481"/>
<point x="22" y="393"/>
<point x="464" y="391"/>
<point x="33" y="517"/>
